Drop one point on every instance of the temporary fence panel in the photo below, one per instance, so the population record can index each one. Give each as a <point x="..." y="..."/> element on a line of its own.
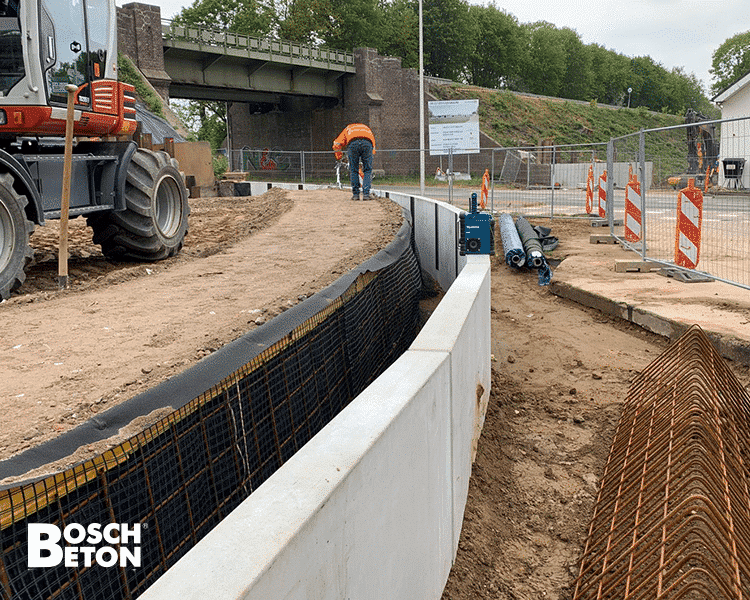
<point x="715" y="231"/>
<point x="268" y="163"/>
<point x="546" y="181"/>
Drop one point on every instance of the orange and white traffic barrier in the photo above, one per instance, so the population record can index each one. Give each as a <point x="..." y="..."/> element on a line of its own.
<point x="603" y="195"/>
<point x="687" y="245"/>
<point x="590" y="190"/>
<point x="633" y="209"/>
<point x="485" y="189"/>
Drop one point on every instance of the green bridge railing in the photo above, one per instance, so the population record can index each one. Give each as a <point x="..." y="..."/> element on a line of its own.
<point x="256" y="48"/>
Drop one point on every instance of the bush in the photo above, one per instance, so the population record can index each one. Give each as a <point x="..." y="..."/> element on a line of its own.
<point x="129" y="74"/>
<point x="220" y="165"/>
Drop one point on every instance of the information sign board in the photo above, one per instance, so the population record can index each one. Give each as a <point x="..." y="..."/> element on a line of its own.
<point x="454" y="127"/>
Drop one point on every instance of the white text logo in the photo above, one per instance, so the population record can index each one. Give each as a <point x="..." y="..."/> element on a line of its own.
<point x="107" y="545"/>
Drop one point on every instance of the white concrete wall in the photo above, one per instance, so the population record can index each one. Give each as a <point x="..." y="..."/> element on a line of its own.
<point x="435" y="235"/>
<point x="261" y="187"/>
<point x="372" y="506"/>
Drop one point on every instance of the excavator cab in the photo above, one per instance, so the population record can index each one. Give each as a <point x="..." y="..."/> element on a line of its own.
<point x="77" y="46"/>
<point x="46" y="45"/>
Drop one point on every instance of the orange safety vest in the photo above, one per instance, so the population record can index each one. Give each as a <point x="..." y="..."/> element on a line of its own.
<point x="352" y="132"/>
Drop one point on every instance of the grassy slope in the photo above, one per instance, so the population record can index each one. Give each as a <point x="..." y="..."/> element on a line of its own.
<point x="514" y="120"/>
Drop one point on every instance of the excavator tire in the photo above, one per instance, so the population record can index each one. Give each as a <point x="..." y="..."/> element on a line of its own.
<point x="15" y="230"/>
<point x="155" y="220"/>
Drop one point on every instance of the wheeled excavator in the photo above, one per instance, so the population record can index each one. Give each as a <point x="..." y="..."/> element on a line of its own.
<point x="134" y="199"/>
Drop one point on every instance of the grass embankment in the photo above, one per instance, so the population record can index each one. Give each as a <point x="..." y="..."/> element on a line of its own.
<point x="513" y="120"/>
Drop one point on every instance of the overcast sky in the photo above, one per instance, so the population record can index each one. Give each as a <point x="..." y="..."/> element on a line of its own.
<point x="675" y="33"/>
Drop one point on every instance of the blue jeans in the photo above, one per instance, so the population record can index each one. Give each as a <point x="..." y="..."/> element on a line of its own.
<point x="360" y="149"/>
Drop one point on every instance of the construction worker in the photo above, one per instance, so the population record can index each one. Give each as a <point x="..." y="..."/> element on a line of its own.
<point x="360" y="144"/>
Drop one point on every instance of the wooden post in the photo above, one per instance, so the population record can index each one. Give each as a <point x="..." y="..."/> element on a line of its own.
<point x="62" y="257"/>
<point x="169" y="146"/>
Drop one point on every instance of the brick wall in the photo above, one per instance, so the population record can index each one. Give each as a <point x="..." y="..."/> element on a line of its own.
<point x="139" y="37"/>
<point x="382" y="94"/>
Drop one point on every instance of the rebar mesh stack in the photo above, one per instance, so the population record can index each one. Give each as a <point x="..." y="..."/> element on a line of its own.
<point x="672" y="519"/>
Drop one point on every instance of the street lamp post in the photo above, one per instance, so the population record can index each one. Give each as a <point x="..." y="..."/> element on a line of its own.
<point x="421" y="103"/>
<point x="629" y="90"/>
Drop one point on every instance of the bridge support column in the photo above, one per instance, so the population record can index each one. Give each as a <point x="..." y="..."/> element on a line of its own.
<point x="139" y="38"/>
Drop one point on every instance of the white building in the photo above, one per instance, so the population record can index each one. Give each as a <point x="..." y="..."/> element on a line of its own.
<point x="734" y="153"/>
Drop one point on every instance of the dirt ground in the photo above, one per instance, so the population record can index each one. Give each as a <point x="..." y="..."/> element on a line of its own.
<point x="123" y="327"/>
<point x="560" y="371"/>
<point x="560" y="375"/>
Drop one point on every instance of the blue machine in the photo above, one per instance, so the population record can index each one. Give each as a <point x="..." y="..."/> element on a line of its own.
<point x="476" y="231"/>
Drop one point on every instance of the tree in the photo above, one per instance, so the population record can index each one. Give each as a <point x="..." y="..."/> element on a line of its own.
<point x="206" y="119"/>
<point x="352" y="24"/>
<point x="399" y="31"/>
<point x="608" y="76"/>
<point x="449" y="38"/>
<point x="304" y="21"/>
<point x="250" y="17"/>
<point x="499" y="50"/>
<point x="730" y="61"/>
<point x="576" y="82"/>
<point x="544" y="72"/>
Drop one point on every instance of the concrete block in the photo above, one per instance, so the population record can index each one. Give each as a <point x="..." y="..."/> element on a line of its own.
<point x="597" y="238"/>
<point x="685" y="276"/>
<point x="605" y="222"/>
<point x="635" y="266"/>
<point x="226" y="189"/>
<point x="243" y="188"/>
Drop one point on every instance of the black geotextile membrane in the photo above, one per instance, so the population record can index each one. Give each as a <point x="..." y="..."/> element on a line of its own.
<point x="239" y="415"/>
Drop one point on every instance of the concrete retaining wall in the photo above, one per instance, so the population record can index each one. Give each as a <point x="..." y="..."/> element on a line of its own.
<point x="372" y="506"/>
<point x="435" y="236"/>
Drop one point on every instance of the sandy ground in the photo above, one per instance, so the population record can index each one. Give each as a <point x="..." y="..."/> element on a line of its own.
<point x="560" y="375"/>
<point x="560" y="371"/>
<point x="122" y="328"/>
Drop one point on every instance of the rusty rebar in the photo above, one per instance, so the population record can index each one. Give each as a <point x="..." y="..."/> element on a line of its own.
<point x="672" y="518"/>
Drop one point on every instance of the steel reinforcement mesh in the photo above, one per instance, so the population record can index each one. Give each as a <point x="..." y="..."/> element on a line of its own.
<point x="181" y="476"/>
<point x="672" y="520"/>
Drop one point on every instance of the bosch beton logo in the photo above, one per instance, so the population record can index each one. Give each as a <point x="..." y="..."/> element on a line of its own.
<point x="109" y="545"/>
